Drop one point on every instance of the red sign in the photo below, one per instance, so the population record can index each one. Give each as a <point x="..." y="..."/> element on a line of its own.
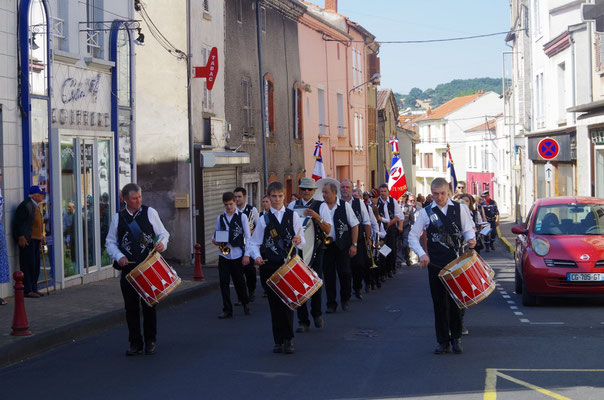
<point x="210" y="70"/>
<point x="548" y="148"/>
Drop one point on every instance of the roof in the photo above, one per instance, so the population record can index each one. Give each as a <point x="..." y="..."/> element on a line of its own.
<point x="408" y="121"/>
<point x="382" y="98"/>
<point x="451" y="106"/>
<point x="485" y="126"/>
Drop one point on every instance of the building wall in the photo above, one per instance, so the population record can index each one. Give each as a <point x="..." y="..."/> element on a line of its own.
<point x="162" y="138"/>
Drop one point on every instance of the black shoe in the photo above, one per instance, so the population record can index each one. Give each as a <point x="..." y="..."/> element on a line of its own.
<point x="442" y="348"/>
<point x="379" y="284"/>
<point x="134" y="350"/>
<point x="319" y="323"/>
<point x="367" y="289"/>
<point x="383" y="278"/>
<point x="264" y="294"/>
<point x="303" y="329"/>
<point x="288" y="346"/>
<point x="330" y="310"/>
<point x="252" y="297"/>
<point x="493" y="247"/>
<point x="225" y="315"/>
<point x="150" y="348"/>
<point x="464" y="331"/>
<point x="373" y="286"/>
<point x="238" y="303"/>
<point x="408" y="262"/>
<point x="358" y="295"/>
<point x="346" y="306"/>
<point x="457" y="346"/>
<point x="246" y="309"/>
<point x="278" y="348"/>
<point x="487" y="249"/>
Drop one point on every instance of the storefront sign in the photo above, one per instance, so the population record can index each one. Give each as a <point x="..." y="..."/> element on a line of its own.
<point x="81" y="98"/>
<point x="597" y="136"/>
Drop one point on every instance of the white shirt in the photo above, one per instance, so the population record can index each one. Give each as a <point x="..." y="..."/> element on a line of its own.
<point x="352" y="219"/>
<point x="253" y="245"/>
<point x="364" y="213"/>
<point x="374" y="224"/>
<point x="236" y="252"/>
<point x="323" y="211"/>
<point x="422" y="221"/>
<point x="111" y="243"/>
<point x="397" y="211"/>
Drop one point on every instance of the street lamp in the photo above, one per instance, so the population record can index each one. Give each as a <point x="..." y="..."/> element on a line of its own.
<point x="374" y="78"/>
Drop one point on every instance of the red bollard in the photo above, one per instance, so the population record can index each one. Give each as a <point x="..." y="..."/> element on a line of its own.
<point x="20" y="325"/>
<point x="197" y="272"/>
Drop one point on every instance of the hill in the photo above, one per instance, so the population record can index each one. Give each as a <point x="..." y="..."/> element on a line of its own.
<point x="446" y="91"/>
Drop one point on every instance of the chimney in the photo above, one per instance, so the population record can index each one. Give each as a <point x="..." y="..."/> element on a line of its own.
<point x="428" y="110"/>
<point x="331" y="5"/>
<point x="480" y="92"/>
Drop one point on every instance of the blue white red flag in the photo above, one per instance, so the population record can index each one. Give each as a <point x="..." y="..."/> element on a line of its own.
<point x="394" y="146"/>
<point x="318" y="146"/>
<point x="319" y="171"/>
<point x="451" y="171"/>
<point x="397" y="183"/>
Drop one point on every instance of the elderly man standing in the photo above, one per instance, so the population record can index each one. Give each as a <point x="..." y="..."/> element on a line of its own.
<point x="133" y="233"/>
<point x="28" y="231"/>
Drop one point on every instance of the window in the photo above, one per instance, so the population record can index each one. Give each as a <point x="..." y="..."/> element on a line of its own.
<point x="269" y="97"/>
<point x="356" y="131"/>
<point x="252" y="194"/>
<point x="428" y="160"/>
<point x="207" y="94"/>
<point x="94" y="37"/>
<point x="207" y="131"/>
<point x="298" y="121"/>
<point x="429" y="133"/>
<point x="445" y="133"/>
<point x="561" y="92"/>
<point x="340" y="99"/>
<point x="600" y="51"/>
<point x="444" y="161"/>
<point x="355" y="81"/>
<point x="239" y="6"/>
<point x="322" y="122"/>
<point x="246" y="108"/>
<point x="470" y="156"/>
<point x="361" y="131"/>
<point x="539" y="107"/>
<point x="536" y="18"/>
<point x="338" y="50"/>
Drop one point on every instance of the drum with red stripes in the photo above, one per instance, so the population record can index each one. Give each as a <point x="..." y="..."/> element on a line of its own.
<point x="294" y="282"/>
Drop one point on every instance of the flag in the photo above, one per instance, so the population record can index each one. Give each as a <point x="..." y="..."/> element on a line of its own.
<point x="318" y="146"/>
<point x="397" y="183"/>
<point x="451" y="171"/>
<point x="319" y="171"/>
<point x="394" y="146"/>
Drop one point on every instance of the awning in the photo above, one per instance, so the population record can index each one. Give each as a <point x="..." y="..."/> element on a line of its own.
<point x="210" y="159"/>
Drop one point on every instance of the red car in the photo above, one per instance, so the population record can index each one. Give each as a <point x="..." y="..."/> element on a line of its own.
<point x="560" y="249"/>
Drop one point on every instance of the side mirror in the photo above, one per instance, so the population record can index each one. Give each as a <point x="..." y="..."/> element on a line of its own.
<point x="518" y="230"/>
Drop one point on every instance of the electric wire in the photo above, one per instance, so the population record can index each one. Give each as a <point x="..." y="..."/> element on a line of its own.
<point x="432" y="40"/>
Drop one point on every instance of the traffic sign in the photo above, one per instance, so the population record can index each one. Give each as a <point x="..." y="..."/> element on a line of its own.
<point x="549" y="172"/>
<point x="548" y="148"/>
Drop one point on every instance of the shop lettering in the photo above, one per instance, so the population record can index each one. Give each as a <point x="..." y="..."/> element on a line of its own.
<point x="73" y="90"/>
<point x="93" y="119"/>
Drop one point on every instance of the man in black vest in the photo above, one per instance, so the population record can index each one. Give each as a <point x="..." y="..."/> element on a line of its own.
<point x="134" y="232"/>
<point x="321" y="218"/>
<point x="275" y="232"/>
<point x="234" y="227"/>
<point x="342" y="247"/>
<point x="447" y="224"/>
<point x="391" y="214"/>
<point x="359" y="264"/>
<point x="249" y="271"/>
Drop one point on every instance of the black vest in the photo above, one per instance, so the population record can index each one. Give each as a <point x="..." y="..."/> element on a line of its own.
<point x="356" y="207"/>
<point x="236" y="235"/>
<point x="390" y="207"/>
<point x="135" y="243"/>
<point x="342" y="227"/>
<point x="277" y="236"/>
<point x="444" y="242"/>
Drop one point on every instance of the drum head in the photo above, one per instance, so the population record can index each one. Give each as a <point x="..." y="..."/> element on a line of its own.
<point x="309" y="236"/>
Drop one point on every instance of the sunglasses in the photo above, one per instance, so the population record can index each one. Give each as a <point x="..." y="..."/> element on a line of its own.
<point x="306" y="189"/>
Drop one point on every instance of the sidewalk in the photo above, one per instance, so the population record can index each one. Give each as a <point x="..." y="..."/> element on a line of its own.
<point x="504" y="231"/>
<point x="84" y="310"/>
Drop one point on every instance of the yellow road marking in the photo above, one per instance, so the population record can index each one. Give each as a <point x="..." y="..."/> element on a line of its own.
<point x="490" y="385"/>
<point x="533" y="387"/>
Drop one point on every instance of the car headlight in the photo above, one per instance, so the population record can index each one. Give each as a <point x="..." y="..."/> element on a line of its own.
<point x="541" y="247"/>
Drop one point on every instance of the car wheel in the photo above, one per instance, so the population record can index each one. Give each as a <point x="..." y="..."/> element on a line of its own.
<point x="517" y="282"/>
<point x="528" y="300"/>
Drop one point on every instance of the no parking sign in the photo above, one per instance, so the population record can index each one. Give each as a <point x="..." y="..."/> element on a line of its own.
<point x="548" y="148"/>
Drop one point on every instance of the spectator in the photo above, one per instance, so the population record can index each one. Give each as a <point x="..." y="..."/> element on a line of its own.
<point x="491" y="212"/>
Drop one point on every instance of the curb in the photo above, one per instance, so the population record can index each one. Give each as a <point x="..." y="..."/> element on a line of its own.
<point x="506" y="242"/>
<point x="49" y="340"/>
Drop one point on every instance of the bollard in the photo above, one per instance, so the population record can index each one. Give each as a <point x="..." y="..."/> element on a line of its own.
<point x="20" y="325"/>
<point x="197" y="272"/>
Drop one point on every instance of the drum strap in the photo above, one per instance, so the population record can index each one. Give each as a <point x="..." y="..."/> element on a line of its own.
<point x="453" y="231"/>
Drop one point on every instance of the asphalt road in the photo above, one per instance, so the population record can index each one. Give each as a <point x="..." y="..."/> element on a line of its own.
<point x="382" y="348"/>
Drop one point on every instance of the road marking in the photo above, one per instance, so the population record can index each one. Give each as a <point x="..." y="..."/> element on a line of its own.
<point x="505" y="296"/>
<point x="547" y="323"/>
<point x="524" y="320"/>
<point x="513" y="307"/>
<point x="513" y="302"/>
<point x="518" y="313"/>
<point x="503" y="292"/>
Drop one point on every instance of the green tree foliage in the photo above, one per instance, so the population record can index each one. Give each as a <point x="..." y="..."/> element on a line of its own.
<point x="446" y="91"/>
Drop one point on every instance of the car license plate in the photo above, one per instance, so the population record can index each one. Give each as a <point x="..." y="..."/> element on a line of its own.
<point x="578" y="277"/>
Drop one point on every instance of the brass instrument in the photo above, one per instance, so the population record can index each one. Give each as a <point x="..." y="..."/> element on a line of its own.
<point x="224" y="248"/>
<point x="370" y="253"/>
<point x="327" y="239"/>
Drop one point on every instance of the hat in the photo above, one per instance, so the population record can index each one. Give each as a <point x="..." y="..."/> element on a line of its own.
<point x="307" y="183"/>
<point x="484" y="194"/>
<point x="36" y="190"/>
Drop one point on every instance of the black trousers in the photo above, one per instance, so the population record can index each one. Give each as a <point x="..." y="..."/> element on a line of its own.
<point x="490" y="238"/>
<point x="447" y="316"/>
<point x="133" y="303"/>
<point x="316" y="299"/>
<point x="249" y="273"/>
<point x="29" y="263"/>
<point x="359" y="266"/>
<point x="282" y="317"/>
<point x="227" y="270"/>
<point x="337" y="261"/>
<point x="390" y="241"/>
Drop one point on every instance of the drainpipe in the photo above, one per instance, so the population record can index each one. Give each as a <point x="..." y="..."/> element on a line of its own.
<point x="572" y="76"/>
<point x="262" y="89"/>
<point x="193" y="205"/>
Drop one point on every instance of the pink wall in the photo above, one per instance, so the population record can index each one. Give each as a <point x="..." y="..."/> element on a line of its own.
<point x="480" y="178"/>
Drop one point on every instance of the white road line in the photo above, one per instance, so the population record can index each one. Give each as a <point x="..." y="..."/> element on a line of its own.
<point x="513" y="307"/>
<point x="505" y="296"/>
<point x="503" y="292"/>
<point x="524" y="320"/>
<point x="518" y="313"/>
<point x="513" y="302"/>
<point x="547" y="323"/>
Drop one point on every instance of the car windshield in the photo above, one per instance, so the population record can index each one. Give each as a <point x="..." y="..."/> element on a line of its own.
<point x="570" y="219"/>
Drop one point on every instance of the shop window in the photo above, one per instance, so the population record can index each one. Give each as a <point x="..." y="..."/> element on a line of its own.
<point x="269" y="97"/>
<point x="298" y="115"/>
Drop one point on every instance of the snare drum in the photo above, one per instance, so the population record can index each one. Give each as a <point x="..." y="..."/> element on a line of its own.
<point x="469" y="279"/>
<point x="294" y="282"/>
<point x="153" y="279"/>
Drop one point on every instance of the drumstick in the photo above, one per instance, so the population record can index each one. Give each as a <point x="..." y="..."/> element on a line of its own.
<point x="292" y="248"/>
<point x="131" y="262"/>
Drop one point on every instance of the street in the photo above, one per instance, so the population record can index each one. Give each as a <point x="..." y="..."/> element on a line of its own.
<point x="382" y="348"/>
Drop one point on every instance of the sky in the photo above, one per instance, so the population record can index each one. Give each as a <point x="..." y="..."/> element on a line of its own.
<point x="404" y="66"/>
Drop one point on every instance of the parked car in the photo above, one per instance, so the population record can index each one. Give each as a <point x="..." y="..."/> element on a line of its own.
<point x="560" y="249"/>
